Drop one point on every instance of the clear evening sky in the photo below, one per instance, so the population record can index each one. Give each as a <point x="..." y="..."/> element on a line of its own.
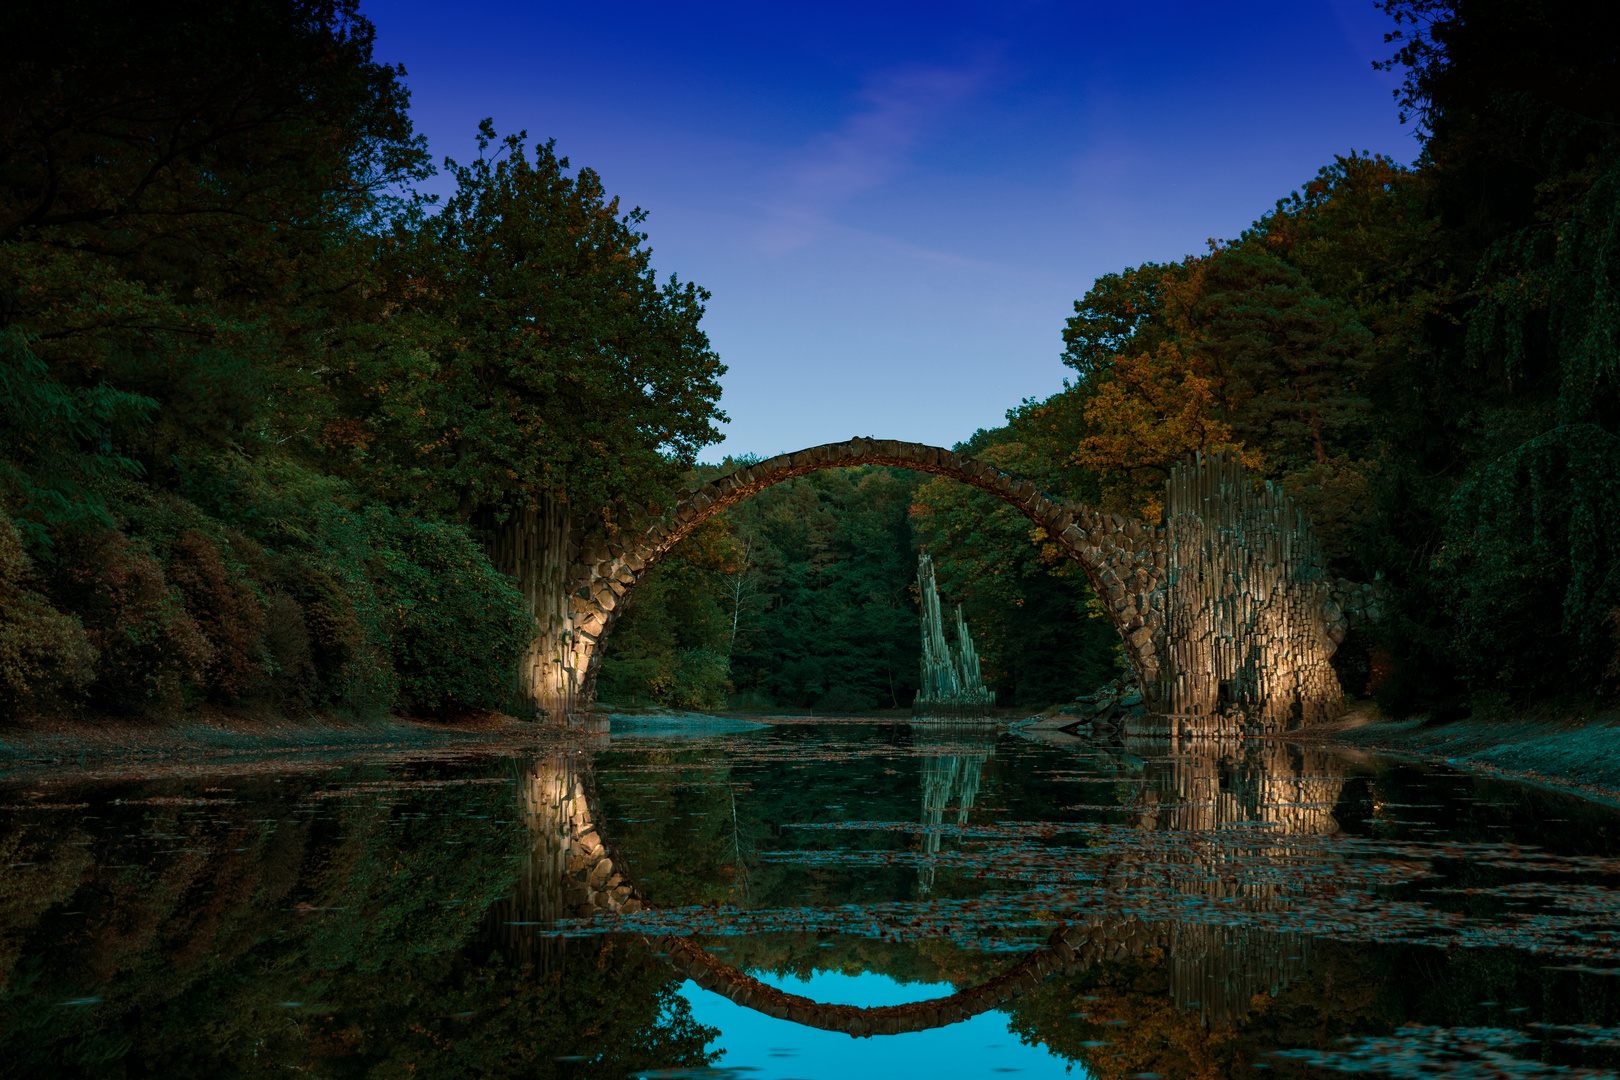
<point x="896" y="205"/>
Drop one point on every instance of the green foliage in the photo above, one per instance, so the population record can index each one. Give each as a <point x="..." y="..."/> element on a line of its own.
<point x="1533" y="563"/>
<point x="60" y="441"/>
<point x="1114" y="314"/>
<point x="804" y="595"/>
<point x="672" y="643"/>
<point x="1426" y="357"/>
<point x="800" y="595"/>
<point x="176" y="201"/>
<point x="531" y="351"/>
<point x="151" y="648"/>
<point x="42" y="651"/>
<point x="1292" y="359"/>
<point x="245" y="381"/>
<point x="1027" y="603"/>
<point x="836" y="572"/>
<point x="453" y="625"/>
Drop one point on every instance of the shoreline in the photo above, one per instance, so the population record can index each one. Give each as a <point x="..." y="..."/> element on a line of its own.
<point x="1578" y="756"/>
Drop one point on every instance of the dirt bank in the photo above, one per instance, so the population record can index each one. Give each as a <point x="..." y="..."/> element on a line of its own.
<point x="1581" y="755"/>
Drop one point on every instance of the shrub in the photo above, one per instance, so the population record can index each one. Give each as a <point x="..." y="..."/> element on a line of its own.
<point x="634" y="680"/>
<point x="1532" y="565"/>
<point x="293" y="678"/>
<point x="150" y="647"/>
<point x="226" y="612"/>
<point x="452" y="625"/>
<point x="701" y="680"/>
<point x="42" y="651"/>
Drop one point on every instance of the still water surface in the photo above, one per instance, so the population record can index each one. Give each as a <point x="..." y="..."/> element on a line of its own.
<point x="1256" y="910"/>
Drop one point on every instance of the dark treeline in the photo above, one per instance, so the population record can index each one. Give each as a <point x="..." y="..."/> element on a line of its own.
<point x="253" y="393"/>
<point x="1425" y="356"/>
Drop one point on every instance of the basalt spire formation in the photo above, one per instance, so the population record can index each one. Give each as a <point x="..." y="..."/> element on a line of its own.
<point x="951" y="687"/>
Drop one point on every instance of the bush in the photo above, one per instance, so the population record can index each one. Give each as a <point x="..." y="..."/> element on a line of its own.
<point x="702" y="679"/>
<point x="452" y="624"/>
<point x="150" y="647"/>
<point x="225" y="610"/>
<point x="1532" y="566"/>
<point x="356" y="610"/>
<point x="634" y="680"/>
<point x="42" y="651"/>
<point x="293" y="677"/>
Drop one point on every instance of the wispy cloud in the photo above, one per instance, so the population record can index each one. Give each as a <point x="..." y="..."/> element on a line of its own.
<point x="901" y="108"/>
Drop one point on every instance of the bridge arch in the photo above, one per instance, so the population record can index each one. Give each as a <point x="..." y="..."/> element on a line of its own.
<point x="574" y="871"/>
<point x="1226" y="612"/>
<point x="1123" y="559"/>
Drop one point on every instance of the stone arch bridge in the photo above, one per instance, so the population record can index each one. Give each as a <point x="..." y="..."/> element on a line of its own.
<point x="1227" y="616"/>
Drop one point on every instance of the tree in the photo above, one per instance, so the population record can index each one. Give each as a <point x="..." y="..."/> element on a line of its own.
<point x="1232" y="349"/>
<point x="530" y="354"/>
<point x="1292" y="360"/>
<point x="172" y="216"/>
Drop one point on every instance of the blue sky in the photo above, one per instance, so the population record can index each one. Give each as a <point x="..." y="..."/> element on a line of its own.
<point x="896" y="205"/>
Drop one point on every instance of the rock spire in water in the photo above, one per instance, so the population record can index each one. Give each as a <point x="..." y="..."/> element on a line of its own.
<point x="951" y="684"/>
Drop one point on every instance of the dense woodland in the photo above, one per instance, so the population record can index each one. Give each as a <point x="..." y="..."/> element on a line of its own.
<point x="255" y="394"/>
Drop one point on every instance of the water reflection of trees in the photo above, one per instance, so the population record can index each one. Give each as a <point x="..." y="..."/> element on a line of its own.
<point x="358" y="924"/>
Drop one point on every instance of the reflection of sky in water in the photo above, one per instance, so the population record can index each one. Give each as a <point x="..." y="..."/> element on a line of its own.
<point x="781" y="1050"/>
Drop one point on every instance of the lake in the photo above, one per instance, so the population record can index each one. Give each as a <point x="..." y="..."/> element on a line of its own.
<point x="810" y="897"/>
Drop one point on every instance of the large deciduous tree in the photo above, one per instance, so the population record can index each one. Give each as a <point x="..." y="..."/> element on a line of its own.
<point x="530" y="354"/>
<point x="529" y="374"/>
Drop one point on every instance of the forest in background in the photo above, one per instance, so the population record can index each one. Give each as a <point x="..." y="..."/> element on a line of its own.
<point x="805" y="595"/>
<point x="255" y="393"/>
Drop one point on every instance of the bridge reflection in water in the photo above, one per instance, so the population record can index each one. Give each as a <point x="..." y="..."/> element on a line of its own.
<point x="1202" y="787"/>
<point x="1206" y="791"/>
<point x="569" y="871"/>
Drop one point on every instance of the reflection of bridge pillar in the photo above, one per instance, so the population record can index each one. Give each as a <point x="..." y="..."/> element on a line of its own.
<point x="569" y="871"/>
<point x="1217" y="970"/>
<point x="1203" y="786"/>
